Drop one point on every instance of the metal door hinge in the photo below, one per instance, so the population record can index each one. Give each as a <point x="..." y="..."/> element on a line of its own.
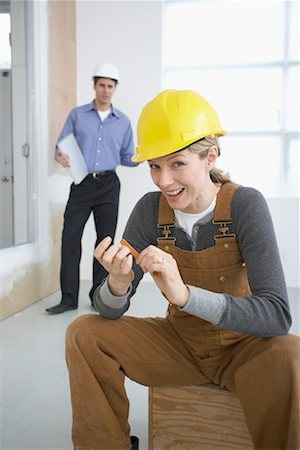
<point x="25" y="150"/>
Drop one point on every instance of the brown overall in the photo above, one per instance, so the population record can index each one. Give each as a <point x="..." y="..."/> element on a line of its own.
<point x="183" y="349"/>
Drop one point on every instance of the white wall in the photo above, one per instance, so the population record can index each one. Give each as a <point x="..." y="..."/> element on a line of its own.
<point x="127" y="33"/>
<point x="286" y="215"/>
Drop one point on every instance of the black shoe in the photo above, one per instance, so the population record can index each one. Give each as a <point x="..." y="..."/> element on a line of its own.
<point x="134" y="443"/>
<point x="60" y="308"/>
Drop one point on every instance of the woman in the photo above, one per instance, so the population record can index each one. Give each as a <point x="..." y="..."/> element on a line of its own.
<point x="210" y="247"/>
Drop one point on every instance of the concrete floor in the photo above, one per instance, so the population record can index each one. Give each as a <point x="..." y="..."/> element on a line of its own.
<point x="34" y="398"/>
<point x="35" y="404"/>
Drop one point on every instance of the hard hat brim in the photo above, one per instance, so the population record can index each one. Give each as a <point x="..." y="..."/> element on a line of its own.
<point x="160" y="152"/>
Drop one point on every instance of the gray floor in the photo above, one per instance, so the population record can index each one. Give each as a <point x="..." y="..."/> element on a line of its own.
<point x="35" y="405"/>
<point x="34" y="400"/>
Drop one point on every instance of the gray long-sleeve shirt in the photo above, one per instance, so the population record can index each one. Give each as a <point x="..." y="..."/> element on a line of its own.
<point x="264" y="313"/>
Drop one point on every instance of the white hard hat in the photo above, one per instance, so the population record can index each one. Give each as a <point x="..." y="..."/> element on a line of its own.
<point x="107" y="70"/>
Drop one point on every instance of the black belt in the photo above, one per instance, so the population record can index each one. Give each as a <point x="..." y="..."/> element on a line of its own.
<point x="97" y="175"/>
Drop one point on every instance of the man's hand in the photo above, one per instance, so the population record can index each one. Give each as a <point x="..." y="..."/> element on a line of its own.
<point x="63" y="159"/>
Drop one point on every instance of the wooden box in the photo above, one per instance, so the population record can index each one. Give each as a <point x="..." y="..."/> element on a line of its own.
<point x="196" y="417"/>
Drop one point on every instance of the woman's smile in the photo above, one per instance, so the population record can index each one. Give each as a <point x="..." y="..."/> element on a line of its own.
<point x="173" y="194"/>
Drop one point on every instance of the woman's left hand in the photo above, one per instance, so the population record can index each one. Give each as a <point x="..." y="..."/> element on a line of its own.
<point x="164" y="270"/>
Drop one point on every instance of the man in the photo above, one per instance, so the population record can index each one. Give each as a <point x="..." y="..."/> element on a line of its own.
<point x="104" y="135"/>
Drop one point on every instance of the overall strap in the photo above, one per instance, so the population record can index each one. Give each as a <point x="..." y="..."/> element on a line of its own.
<point x="166" y="220"/>
<point x="222" y="215"/>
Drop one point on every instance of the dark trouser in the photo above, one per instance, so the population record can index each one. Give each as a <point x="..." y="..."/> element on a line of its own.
<point x="100" y="196"/>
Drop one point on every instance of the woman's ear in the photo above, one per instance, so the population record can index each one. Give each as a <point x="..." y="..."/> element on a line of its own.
<point x="213" y="153"/>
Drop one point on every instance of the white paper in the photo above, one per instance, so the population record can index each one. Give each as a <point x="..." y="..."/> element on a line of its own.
<point x="78" y="166"/>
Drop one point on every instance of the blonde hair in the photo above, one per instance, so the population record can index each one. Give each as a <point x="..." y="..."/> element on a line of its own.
<point x="202" y="148"/>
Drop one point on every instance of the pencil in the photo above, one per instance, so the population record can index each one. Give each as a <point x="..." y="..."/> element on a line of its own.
<point x="132" y="250"/>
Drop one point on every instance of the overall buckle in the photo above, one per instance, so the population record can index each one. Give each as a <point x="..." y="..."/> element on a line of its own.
<point x="166" y="230"/>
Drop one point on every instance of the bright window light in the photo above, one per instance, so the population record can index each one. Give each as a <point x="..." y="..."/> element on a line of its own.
<point x="293" y="168"/>
<point x="293" y="99"/>
<point x="223" y="32"/>
<point x="251" y="163"/>
<point x="293" y="12"/>
<point x="243" y="56"/>
<point x="247" y="99"/>
<point x="5" y="50"/>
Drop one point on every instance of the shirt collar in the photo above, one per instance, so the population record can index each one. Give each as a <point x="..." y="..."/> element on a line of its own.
<point x="115" y="111"/>
<point x="91" y="106"/>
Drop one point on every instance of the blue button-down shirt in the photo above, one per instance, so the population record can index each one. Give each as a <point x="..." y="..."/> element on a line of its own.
<point x="104" y="145"/>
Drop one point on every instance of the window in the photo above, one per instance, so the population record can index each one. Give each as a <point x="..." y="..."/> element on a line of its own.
<point x="243" y="56"/>
<point x="5" y="51"/>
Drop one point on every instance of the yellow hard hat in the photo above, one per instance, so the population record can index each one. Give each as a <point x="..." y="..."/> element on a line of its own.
<point x="173" y="120"/>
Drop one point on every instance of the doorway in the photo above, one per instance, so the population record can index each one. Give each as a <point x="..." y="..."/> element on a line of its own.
<point x="14" y="148"/>
<point x="6" y="180"/>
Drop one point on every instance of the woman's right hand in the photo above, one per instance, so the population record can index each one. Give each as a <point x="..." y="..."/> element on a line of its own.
<point x="117" y="261"/>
